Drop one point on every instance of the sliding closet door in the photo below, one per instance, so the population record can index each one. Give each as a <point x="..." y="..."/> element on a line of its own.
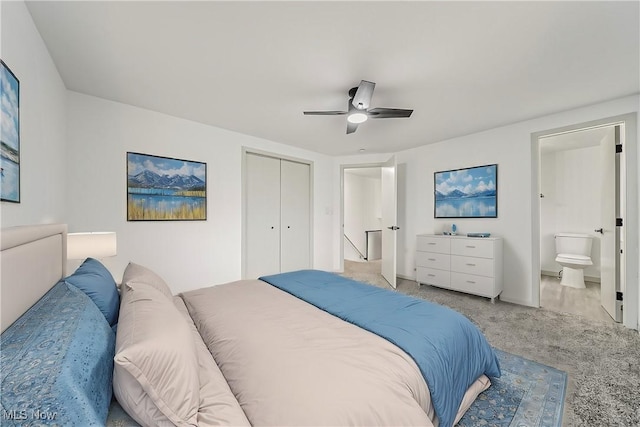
<point x="262" y="254"/>
<point x="295" y="215"/>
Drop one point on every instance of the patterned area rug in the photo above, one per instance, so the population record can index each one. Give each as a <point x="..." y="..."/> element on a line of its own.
<point x="528" y="394"/>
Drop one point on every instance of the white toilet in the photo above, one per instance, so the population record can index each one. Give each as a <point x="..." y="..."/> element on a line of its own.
<point x="573" y="253"/>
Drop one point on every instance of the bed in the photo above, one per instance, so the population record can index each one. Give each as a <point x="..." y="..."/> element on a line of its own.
<point x="301" y="348"/>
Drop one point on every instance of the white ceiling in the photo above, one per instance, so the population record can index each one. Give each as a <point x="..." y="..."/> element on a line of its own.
<point x="253" y="67"/>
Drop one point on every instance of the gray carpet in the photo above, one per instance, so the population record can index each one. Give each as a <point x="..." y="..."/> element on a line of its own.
<point x="601" y="359"/>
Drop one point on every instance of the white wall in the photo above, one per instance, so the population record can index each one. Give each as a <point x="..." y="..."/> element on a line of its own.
<point x="361" y="210"/>
<point x="187" y="254"/>
<point x="509" y="147"/>
<point x="570" y="181"/>
<point x="43" y="162"/>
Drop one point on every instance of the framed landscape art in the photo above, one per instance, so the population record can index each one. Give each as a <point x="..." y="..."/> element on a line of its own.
<point x="466" y="193"/>
<point x="9" y="135"/>
<point x="165" y="189"/>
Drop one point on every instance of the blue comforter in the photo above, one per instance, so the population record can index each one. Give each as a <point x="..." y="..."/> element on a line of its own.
<point x="449" y="350"/>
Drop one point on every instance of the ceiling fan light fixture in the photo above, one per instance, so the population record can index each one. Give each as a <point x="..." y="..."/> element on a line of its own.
<point x="358" y="110"/>
<point x="357" y="117"/>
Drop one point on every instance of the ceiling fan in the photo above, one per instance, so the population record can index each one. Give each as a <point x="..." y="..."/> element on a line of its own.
<point x="359" y="111"/>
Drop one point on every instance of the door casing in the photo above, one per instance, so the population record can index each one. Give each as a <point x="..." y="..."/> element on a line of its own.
<point x="389" y="201"/>
<point x="630" y="215"/>
<point x="341" y="228"/>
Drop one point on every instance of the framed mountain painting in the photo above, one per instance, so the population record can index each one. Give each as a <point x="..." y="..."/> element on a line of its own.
<point x="9" y="135"/>
<point x="165" y="189"/>
<point x="466" y="193"/>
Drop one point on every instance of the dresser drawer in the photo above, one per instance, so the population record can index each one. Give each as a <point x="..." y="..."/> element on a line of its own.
<point x="433" y="260"/>
<point x="472" y="265"/>
<point x="433" y="276"/>
<point x="472" y="247"/>
<point x="433" y="244"/>
<point x="478" y="285"/>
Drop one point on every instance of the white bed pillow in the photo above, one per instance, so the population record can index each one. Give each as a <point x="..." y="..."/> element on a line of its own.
<point x="135" y="273"/>
<point x="155" y="376"/>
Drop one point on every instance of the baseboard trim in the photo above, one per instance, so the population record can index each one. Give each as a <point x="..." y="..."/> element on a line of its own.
<point x="549" y="273"/>
<point x="517" y="301"/>
<point x="592" y="279"/>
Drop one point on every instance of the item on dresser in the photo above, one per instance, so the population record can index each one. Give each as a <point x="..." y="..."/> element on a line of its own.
<point x="478" y="234"/>
<point x="467" y="264"/>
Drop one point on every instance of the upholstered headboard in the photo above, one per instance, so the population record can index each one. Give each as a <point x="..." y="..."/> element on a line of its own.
<point x="33" y="259"/>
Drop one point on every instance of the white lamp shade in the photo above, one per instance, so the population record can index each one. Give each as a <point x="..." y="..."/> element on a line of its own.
<point x="91" y="245"/>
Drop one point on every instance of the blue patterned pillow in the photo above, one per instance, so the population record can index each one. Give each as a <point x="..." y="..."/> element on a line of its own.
<point x="94" y="279"/>
<point x="56" y="363"/>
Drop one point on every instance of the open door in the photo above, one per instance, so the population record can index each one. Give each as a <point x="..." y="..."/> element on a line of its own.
<point x="608" y="233"/>
<point x="389" y="207"/>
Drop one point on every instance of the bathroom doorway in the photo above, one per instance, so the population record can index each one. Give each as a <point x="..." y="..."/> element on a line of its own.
<point x="577" y="182"/>
<point x="571" y="186"/>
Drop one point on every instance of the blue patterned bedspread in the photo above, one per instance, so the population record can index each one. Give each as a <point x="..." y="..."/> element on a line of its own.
<point x="449" y="350"/>
<point x="56" y="363"/>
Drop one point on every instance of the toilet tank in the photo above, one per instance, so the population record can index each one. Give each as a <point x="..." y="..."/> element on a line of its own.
<point x="573" y="243"/>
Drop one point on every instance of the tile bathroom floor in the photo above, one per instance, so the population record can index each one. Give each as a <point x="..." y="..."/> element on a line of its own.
<point x="564" y="299"/>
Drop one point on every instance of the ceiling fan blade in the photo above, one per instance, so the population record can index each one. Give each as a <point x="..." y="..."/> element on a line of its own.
<point x="324" y="113"/>
<point x="362" y="98"/>
<point x="351" y="127"/>
<point x="388" y="113"/>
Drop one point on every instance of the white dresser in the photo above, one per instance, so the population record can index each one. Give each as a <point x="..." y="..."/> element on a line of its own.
<point x="466" y="264"/>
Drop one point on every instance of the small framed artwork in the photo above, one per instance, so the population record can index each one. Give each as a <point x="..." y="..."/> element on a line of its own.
<point x="466" y="193"/>
<point x="9" y="135"/>
<point x="165" y="189"/>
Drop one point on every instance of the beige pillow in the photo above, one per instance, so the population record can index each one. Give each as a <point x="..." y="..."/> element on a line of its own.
<point x="135" y="273"/>
<point x="155" y="376"/>
<point x="480" y="385"/>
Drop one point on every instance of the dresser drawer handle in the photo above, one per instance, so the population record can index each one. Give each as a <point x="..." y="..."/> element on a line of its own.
<point x="431" y="275"/>
<point x="471" y="265"/>
<point x="471" y="281"/>
<point x="431" y="259"/>
<point x="431" y="243"/>
<point x="471" y="246"/>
